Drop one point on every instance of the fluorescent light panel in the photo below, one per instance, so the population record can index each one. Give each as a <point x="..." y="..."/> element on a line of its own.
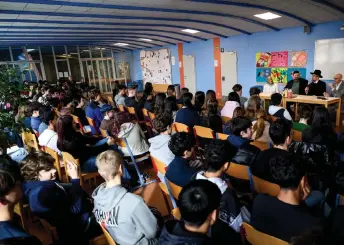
<point x="146" y="39"/>
<point x="190" y="31"/>
<point x="121" y="44"/>
<point x="267" y="16"/>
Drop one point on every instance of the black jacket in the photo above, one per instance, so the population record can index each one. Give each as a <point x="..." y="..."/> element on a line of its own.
<point x="138" y="105"/>
<point x="317" y="89"/>
<point x="303" y="85"/>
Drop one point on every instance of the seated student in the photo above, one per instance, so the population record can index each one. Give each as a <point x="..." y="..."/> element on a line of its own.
<point x="253" y="91"/>
<point x="179" y="171"/>
<point x="171" y="91"/>
<point x="171" y="107"/>
<point x="121" y="95"/>
<point x="68" y="208"/>
<point x="77" y="145"/>
<point x="10" y="150"/>
<point x="305" y="117"/>
<point x="93" y="110"/>
<point x="23" y="117"/>
<point x="198" y="205"/>
<point x="286" y="215"/>
<point x="159" y="149"/>
<point x="261" y="127"/>
<point x="148" y="96"/>
<point x="280" y="134"/>
<point x="44" y="115"/>
<point x="104" y="105"/>
<point x="217" y="156"/>
<point x="108" y="121"/>
<point x="211" y="119"/>
<point x="182" y="91"/>
<point x="199" y="101"/>
<point x="238" y="89"/>
<point x="49" y="137"/>
<point x="131" y="101"/>
<point x="238" y="112"/>
<point x="276" y="109"/>
<point x="33" y="110"/>
<point x="232" y="103"/>
<point x="187" y="114"/>
<point x="123" y="214"/>
<point x="78" y="110"/>
<point x="159" y="104"/>
<point x="10" y="195"/>
<point x="254" y="104"/>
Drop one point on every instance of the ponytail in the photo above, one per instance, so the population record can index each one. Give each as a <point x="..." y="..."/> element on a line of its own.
<point x="259" y="127"/>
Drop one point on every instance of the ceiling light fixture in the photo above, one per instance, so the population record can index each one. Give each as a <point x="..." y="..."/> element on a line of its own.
<point x="146" y="39"/>
<point x="190" y="31"/>
<point x="267" y="16"/>
<point x="121" y="44"/>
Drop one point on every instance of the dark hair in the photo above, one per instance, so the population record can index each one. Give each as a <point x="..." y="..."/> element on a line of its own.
<point x="34" y="106"/>
<point x="34" y="163"/>
<point x="67" y="100"/>
<point x="170" y="90"/>
<point x="199" y="99"/>
<point x="321" y="120"/>
<point x="9" y="176"/>
<point x="254" y="91"/>
<point x="279" y="131"/>
<point x="233" y="96"/>
<point x="161" y="122"/>
<point x="65" y="130"/>
<point x="48" y="116"/>
<point x="159" y="103"/>
<point x="210" y="94"/>
<point x="306" y="111"/>
<point x="238" y="112"/>
<point x="181" y="142"/>
<point x="253" y="105"/>
<point x="295" y="72"/>
<point x="184" y="90"/>
<point x="276" y="99"/>
<point x="286" y="171"/>
<point x="94" y="93"/>
<point x="237" y="88"/>
<point x="187" y="100"/>
<point x="197" y="201"/>
<point x="212" y="106"/>
<point x="217" y="153"/>
<point x="20" y="241"/>
<point x="148" y="88"/>
<point x="239" y="124"/>
<point x="170" y="105"/>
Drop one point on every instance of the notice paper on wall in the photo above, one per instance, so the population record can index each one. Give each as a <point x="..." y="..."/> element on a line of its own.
<point x="60" y="74"/>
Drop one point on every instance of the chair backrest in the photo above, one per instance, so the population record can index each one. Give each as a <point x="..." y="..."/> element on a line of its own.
<point x="255" y="237"/>
<point x="297" y="135"/>
<point x="174" y="189"/>
<point x="121" y="107"/>
<point x="151" y="115"/>
<point x="132" y="111"/>
<point x="204" y="132"/>
<point x="225" y="119"/>
<point x="145" y="112"/>
<point x="68" y="157"/>
<point x="179" y="106"/>
<point x="76" y="120"/>
<point x="158" y="165"/>
<point x="111" y="101"/>
<point x="104" y="133"/>
<point x="179" y="127"/>
<point x="238" y="171"/>
<point x="92" y="124"/>
<point x="265" y="187"/>
<point x="108" y="236"/>
<point x="57" y="165"/>
<point x="30" y="140"/>
<point x="261" y="145"/>
<point x="220" y="136"/>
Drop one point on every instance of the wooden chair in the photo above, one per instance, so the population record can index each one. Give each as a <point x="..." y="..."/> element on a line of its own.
<point x="264" y="187"/>
<point x="104" y="133"/>
<point x="151" y="115"/>
<point x="297" y="135"/>
<point x="179" y="127"/>
<point x="261" y="145"/>
<point x="176" y="214"/>
<point x="220" y="136"/>
<point x="174" y="189"/>
<point x="111" y="101"/>
<point x="121" y="107"/>
<point x="77" y="121"/>
<point x="57" y="164"/>
<point x="30" y="140"/>
<point x="238" y="171"/>
<point x="108" y="236"/>
<point x="24" y="213"/>
<point x="132" y="111"/>
<point x="160" y="167"/>
<point x="93" y="124"/>
<point x="179" y="106"/>
<point x="83" y="176"/>
<point x="204" y="132"/>
<point x="225" y="119"/>
<point x="255" y="237"/>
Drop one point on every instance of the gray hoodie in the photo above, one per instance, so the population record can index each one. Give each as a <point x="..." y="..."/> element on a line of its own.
<point x="124" y="215"/>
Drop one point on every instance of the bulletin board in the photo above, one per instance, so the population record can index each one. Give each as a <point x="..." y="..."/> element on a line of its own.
<point x="280" y="65"/>
<point x="156" y="66"/>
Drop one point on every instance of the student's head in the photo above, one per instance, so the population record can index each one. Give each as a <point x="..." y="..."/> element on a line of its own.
<point x="95" y="95"/>
<point x="184" y="90"/>
<point x="120" y="118"/>
<point x="38" y="166"/>
<point x="238" y="112"/>
<point x="199" y="98"/>
<point x="10" y="184"/>
<point x="233" y="96"/>
<point x="241" y="126"/>
<point x="122" y="89"/>
<point x="159" y="103"/>
<point x="254" y="91"/>
<point x="198" y="203"/>
<point x="78" y="103"/>
<point x="253" y="106"/>
<point x="170" y="90"/>
<point x="33" y="109"/>
<point x="171" y="105"/>
<point x="187" y="100"/>
<point x="259" y="126"/>
<point x="65" y="129"/>
<point x="218" y="154"/>
<point x="286" y="172"/>
<point x="67" y="101"/>
<point x="276" y="99"/>
<point x="210" y="94"/>
<point x="238" y="89"/>
<point x="306" y="112"/>
<point x="321" y="119"/>
<point x="181" y="145"/>
<point x="109" y="113"/>
<point x="296" y="75"/>
<point x="212" y="106"/>
<point x="280" y="132"/>
<point x="109" y="164"/>
<point x="162" y="123"/>
<point x="48" y="118"/>
<point x="148" y="88"/>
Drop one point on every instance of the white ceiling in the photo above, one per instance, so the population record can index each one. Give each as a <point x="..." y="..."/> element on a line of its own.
<point x="109" y="21"/>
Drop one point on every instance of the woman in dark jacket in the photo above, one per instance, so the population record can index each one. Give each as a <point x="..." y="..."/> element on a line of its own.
<point x="199" y="102"/>
<point x="188" y="114"/>
<point x="211" y="119"/>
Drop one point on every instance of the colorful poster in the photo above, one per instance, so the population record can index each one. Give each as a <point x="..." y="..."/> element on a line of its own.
<point x="263" y="59"/>
<point x="279" y="75"/>
<point x="262" y="74"/>
<point x="279" y="59"/>
<point x="302" y="71"/>
<point x="298" y="58"/>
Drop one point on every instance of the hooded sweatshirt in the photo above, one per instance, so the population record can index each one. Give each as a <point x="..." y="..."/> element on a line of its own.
<point x="49" y="139"/>
<point x="135" y="138"/>
<point x="124" y="215"/>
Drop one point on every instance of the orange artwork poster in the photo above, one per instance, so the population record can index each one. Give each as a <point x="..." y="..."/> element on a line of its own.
<point x="263" y="59"/>
<point x="298" y="58"/>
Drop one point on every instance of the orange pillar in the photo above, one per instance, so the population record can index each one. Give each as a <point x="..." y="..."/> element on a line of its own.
<point x="217" y="66"/>
<point x="181" y="64"/>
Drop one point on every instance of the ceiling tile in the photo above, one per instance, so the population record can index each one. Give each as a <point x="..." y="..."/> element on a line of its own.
<point x="42" y="7"/>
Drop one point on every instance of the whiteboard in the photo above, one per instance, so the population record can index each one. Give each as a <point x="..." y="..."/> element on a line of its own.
<point x="328" y="57"/>
<point x="156" y="66"/>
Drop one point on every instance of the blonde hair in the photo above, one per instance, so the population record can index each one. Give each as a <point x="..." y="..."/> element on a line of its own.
<point x="110" y="162"/>
<point x="259" y="126"/>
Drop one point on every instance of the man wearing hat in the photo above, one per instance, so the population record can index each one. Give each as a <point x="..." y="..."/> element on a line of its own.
<point x="316" y="87"/>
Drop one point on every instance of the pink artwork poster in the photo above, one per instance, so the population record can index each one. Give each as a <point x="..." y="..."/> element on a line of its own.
<point x="279" y="59"/>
